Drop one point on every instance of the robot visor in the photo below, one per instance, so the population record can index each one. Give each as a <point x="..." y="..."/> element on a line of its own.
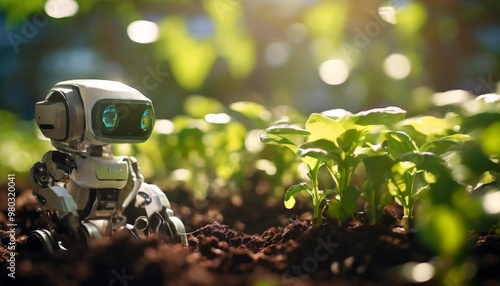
<point x="122" y="121"/>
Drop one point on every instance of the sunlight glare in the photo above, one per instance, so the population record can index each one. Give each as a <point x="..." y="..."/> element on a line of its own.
<point x="491" y="203"/>
<point x="397" y="66"/>
<point x="143" y="32"/>
<point x="61" y="8"/>
<point x="334" y="72"/>
<point x="217" y="118"/>
<point x="388" y="14"/>
<point x="164" y="126"/>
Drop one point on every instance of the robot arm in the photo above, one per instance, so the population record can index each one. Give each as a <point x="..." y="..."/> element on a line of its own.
<point x="160" y="216"/>
<point x="53" y="168"/>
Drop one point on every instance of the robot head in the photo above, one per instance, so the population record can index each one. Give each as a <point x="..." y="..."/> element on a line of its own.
<point x="95" y="112"/>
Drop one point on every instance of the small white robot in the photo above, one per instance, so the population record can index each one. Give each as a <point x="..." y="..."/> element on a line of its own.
<point x="81" y="187"/>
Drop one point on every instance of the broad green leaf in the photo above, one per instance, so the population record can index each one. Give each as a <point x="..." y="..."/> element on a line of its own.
<point x="428" y="125"/>
<point x="321" y="149"/>
<point x="349" y="140"/>
<point x="322" y="127"/>
<point x="399" y="142"/>
<point x="479" y="121"/>
<point x="490" y="139"/>
<point x="425" y="161"/>
<point x="336" y="113"/>
<point x="284" y="130"/>
<point x="284" y="135"/>
<point x="272" y="139"/>
<point x="198" y="106"/>
<point x="380" y="116"/>
<point x="378" y="166"/>
<point x="251" y="109"/>
<point x="291" y="192"/>
<point x="346" y="206"/>
<point x="445" y="144"/>
<point x="349" y="199"/>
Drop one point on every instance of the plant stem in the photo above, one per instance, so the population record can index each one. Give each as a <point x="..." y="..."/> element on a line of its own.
<point x="318" y="214"/>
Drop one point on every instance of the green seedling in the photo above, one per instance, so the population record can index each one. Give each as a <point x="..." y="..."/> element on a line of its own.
<point x="336" y="142"/>
<point x="377" y="169"/>
<point x="409" y="176"/>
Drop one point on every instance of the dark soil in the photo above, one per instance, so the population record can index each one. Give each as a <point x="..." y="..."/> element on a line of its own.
<point x="296" y="253"/>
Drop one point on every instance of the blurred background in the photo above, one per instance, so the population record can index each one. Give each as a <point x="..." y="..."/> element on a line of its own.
<point x="309" y="55"/>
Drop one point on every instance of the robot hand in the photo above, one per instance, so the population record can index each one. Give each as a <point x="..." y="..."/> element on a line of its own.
<point x="160" y="217"/>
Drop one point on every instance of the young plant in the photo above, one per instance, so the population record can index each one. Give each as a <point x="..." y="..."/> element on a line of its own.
<point x="336" y="142"/>
<point x="409" y="177"/>
<point x="377" y="169"/>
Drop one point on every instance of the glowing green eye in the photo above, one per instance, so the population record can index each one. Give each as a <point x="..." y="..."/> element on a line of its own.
<point x="110" y="117"/>
<point x="146" y="120"/>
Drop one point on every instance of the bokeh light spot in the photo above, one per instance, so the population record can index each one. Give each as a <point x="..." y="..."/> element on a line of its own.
<point x="334" y="72"/>
<point x="277" y="54"/>
<point x="143" y="32"/>
<point x="164" y="126"/>
<point x="388" y="14"/>
<point x="491" y="203"/>
<point x="397" y="66"/>
<point x="217" y="118"/>
<point x="61" y="8"/>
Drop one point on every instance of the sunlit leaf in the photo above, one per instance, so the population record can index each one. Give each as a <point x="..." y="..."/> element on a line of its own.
<point x="284" y="130"/>
<point x="349" y="140"/>
<point x="322" y="127"/>
<point x="399" y="142"/>
<point x="425" y="161"/>
<point x="321" y="149"/>
<point x="445" y="144"/>
<point x="380" y="116"/>
<point x="291" y="192"/>
<point x="336" y="113"/>
<point x="428" y="125"/>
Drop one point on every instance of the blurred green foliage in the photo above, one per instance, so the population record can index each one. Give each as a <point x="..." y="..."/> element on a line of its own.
<point x="268" y="51"/>
<point x="20" y="147"/>
<point x="258" y="54"/>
